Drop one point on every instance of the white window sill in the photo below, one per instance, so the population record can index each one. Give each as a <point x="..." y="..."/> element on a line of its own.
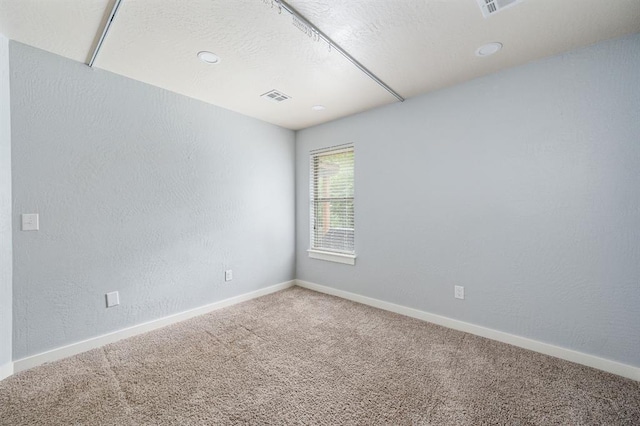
<point x="347" y="259"/>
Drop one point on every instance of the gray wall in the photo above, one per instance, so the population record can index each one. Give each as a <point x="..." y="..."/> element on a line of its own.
<point x="5" y="207"/>
<point x="139" y="190"/>
<point x="522" y="186"/>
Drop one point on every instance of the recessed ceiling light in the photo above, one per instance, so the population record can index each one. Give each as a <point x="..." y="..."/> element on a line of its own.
<point x="489" y="49"/>
<point x="208" y="57"/>
<point x="318" y="108"/>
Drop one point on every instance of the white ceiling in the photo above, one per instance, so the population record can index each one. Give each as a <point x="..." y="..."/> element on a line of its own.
<point x="415" y="46"/>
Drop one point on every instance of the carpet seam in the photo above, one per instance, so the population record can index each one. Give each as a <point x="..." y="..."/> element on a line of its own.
<point x="121" y="393"/>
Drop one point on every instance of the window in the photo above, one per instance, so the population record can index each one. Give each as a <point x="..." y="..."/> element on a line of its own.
<point x="332" y="204"/>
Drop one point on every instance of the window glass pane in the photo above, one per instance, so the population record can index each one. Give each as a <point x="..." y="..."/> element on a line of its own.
<point x="332" y="210"/>
<point x="334" y="226"/>
<point x="334" y="175"/>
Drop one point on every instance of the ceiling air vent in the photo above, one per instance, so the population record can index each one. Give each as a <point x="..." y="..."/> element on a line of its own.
<point x="275" y="96"/>
<point x="491" y="7"/>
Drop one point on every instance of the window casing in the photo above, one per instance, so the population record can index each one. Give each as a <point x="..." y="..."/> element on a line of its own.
<point x="332" y="204"/>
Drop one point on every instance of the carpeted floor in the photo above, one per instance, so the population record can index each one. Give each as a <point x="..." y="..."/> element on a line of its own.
<point x="300" y="357"/>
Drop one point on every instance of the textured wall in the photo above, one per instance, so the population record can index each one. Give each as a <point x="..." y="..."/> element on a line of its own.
<point x="522" y="186"/>
<point x="5" y="207"/>
<point x="139" y="190"/>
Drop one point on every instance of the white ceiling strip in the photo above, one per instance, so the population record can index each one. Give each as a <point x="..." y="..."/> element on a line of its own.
<point x="340" y="50"/>
<point x="107" y="25"/>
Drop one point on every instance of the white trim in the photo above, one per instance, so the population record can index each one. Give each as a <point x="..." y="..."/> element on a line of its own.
<point x="614" y="367"/>
<point x="347" y="259"/>
<point x="95" y="342"/>
<point x="6" y="370"/>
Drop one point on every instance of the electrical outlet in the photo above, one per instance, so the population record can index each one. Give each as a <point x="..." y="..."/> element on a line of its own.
<point x="458" y="292"/>
<point x="113" y="299"/>
<point x="228" y="275"/>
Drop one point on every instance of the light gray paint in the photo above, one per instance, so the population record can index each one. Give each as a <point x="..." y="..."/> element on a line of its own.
<point x="5" y="207"/>
<point x="522" y="186"/>
<point x="139" y="190"/>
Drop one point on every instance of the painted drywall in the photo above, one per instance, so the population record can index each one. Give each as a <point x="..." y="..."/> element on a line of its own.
<point x="141" y="191"/>
<point x="5" y="211"/>
<point x="522" y="186"/>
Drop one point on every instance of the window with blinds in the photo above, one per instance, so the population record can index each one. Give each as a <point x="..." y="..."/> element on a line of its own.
<point x="332" y="201"/>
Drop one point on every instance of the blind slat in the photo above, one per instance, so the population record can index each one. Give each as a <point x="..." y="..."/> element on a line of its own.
<point x="332" y="199"/>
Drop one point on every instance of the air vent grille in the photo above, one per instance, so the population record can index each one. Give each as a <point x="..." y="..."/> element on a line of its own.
<point x="491" y="7"/>
<point x="275" y="96"/>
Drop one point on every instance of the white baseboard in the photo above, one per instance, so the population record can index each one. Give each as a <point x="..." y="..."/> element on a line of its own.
<point x="6" y="370"/>
<point x="614" y="367"/>
<point x="95" y="342"/>
<point x="609" y="366"/>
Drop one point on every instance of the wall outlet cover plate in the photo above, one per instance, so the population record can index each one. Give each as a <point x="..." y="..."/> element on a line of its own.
<point x="113" y="299"/>
<point x="30" y="222"/>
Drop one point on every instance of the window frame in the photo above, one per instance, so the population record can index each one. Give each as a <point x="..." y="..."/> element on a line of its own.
<point x="320" y="253"/>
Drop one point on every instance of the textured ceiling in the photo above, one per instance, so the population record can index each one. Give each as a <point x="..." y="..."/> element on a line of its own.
<point x="415" y="46"/>
<point x="418" y="46"/>
<point x="67" y="27"/>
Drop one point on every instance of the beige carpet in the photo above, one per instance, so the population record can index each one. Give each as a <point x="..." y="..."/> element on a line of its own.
<point x="300" y="357"/>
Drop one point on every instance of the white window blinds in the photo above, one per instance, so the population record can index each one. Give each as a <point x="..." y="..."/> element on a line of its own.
<point x="332" y="200"/>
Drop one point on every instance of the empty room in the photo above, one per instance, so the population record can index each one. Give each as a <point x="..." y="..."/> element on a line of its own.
<point x="365" y="212"/>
